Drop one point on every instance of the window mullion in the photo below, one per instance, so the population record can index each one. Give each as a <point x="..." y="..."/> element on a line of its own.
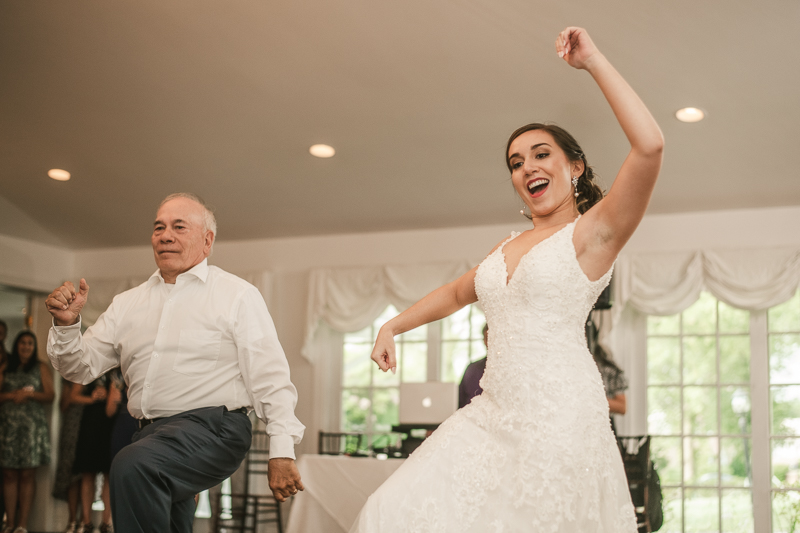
<point x="682" y="429"/>
<point x="759" y="420"/>
<point x="717" y="361"/>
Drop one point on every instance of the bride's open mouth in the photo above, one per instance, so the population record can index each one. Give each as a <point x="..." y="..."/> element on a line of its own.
<point x="537" y="187"/>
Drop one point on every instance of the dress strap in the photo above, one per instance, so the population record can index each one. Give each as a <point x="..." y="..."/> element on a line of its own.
<point x="514" y="235"/>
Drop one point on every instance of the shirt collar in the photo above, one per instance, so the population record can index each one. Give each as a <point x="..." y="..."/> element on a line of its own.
<point x="200" y="271"/>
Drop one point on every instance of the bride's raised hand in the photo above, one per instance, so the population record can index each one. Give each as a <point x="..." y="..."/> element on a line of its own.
<point x="384" y="351"/>
<point x="576" y="47"/>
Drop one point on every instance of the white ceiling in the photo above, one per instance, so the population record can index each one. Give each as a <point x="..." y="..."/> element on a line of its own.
<point x="223" y="98"/>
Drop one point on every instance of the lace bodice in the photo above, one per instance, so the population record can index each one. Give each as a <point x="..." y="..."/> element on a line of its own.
<point x="536" y="325"/>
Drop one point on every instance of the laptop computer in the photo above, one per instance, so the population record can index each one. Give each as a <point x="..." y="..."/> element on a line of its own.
<point x="427" y="403"/>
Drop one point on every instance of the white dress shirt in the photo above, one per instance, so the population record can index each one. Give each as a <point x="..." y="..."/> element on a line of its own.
<point x="207" y="340"/>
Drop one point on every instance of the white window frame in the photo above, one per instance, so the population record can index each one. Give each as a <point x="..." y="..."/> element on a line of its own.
<point x="434" y="341"/>
<point x="760" y="414"/>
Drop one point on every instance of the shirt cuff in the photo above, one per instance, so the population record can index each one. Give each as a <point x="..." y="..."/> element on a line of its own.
<point x="281" y="446"/>
<point x="64" y="329"/>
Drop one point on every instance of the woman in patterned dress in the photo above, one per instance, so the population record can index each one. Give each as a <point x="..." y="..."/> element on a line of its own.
<point x="27" y="386"/>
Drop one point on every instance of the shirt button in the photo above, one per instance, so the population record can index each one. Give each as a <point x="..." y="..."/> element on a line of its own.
<point x="147" y="385"/>
<point x="155" y="354"/>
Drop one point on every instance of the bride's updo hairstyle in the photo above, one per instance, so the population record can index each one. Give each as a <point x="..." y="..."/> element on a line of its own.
<point x="589" y="192"/>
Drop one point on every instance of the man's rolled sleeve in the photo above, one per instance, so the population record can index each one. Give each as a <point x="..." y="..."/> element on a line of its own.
<point x="265" y="371"/>
<point x="63" y="341"/>
<point x="82" y="358"/>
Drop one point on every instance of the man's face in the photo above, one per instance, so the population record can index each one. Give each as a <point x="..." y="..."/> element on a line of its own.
<point x="179" y="241"/>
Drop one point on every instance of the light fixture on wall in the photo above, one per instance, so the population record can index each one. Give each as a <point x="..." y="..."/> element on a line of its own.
<point x="58" y="174"/>
<point x="322" y="150"/>
<point x="690" y="114"/>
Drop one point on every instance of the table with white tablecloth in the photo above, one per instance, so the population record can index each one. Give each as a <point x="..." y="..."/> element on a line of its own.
<point x="336" y="488"/>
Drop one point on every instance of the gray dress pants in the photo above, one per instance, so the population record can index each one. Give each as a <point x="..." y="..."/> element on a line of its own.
<point x="154" y="480"/>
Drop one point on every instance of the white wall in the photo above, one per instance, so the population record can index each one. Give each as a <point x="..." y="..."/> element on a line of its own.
<point x="31" y="265"/>
<point x="741" y="228"/>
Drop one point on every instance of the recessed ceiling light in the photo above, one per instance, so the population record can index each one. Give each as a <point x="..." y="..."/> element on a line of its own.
<point x="58" y="174"/>
<point x="690" y="114"/>
<point x="322" y="150"/>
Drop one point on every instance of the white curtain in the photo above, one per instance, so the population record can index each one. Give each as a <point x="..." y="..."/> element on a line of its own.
<point x="668" y="283"/>
<point x="350" y="299"/>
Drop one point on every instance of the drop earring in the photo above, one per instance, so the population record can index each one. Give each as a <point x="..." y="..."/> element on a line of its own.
<point x="575" y="185"/>
<point x="523" y="213"/>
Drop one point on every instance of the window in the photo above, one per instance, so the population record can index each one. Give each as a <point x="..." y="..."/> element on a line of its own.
<point x="698" y="398"/>
<point x="15" y="307"/>
<point x="439" y="351"/>
<point x="784" y="387"/>
<point x="461" y="341"/>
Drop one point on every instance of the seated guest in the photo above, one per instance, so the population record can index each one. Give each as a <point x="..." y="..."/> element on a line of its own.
<point x="470" y="384"/>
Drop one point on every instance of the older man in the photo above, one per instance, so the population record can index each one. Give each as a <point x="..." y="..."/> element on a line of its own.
<point x="198" y="349"/>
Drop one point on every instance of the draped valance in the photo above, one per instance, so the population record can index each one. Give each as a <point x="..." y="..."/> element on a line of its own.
<point x="663" y="283"/>
<point x="667" y="283"/>
<point x="350" y="299"/>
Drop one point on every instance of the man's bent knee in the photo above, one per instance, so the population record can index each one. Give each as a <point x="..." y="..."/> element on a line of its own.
<point x="130" y="463"/>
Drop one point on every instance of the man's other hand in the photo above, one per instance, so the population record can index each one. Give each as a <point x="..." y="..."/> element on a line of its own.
<point x="284" y="478"/>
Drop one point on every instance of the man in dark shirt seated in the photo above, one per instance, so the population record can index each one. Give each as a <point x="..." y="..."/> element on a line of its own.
<point x="470" y="384"/>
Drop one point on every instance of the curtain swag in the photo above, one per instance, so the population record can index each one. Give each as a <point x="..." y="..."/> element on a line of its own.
<point x="668" y="283"/>
<point x="350" y="299"/>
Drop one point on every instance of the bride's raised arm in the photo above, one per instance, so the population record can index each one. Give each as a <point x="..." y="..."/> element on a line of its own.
<point x="610" y="223"/>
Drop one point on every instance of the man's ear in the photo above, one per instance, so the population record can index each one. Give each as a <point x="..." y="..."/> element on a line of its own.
<point x="208" y="242"/>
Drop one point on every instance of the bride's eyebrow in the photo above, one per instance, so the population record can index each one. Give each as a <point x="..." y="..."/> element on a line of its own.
<point x="534" y="147"/>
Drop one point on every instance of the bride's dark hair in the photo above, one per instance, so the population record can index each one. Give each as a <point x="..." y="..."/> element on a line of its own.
<point x="589" y="192"/>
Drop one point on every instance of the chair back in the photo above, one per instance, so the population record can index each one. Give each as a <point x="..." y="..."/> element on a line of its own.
<point x="340" y="443"/>
<point x="635" y="453"/>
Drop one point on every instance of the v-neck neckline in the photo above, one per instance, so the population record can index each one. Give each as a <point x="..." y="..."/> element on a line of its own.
<point x="511" y="276"/>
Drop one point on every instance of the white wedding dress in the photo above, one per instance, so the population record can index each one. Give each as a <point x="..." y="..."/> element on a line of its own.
<point x="535" y="452"/>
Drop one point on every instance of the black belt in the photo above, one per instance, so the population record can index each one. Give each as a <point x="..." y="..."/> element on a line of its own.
<point x="144" y="422"/>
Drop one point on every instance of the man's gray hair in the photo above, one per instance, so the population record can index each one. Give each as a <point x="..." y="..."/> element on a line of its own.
<point x="209" y="220"/>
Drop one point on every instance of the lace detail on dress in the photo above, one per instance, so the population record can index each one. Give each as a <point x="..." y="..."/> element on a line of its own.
<point x="535" y="451"/>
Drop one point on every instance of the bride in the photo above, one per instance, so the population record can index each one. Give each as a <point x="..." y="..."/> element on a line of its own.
<point x="534" y="452"/>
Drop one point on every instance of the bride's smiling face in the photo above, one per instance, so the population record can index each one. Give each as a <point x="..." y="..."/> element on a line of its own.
<point x="541" y="172"/>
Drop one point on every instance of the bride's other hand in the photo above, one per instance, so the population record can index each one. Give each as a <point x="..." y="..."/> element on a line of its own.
<point x="384" y="351"/>
<point x="575" y="47"/>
